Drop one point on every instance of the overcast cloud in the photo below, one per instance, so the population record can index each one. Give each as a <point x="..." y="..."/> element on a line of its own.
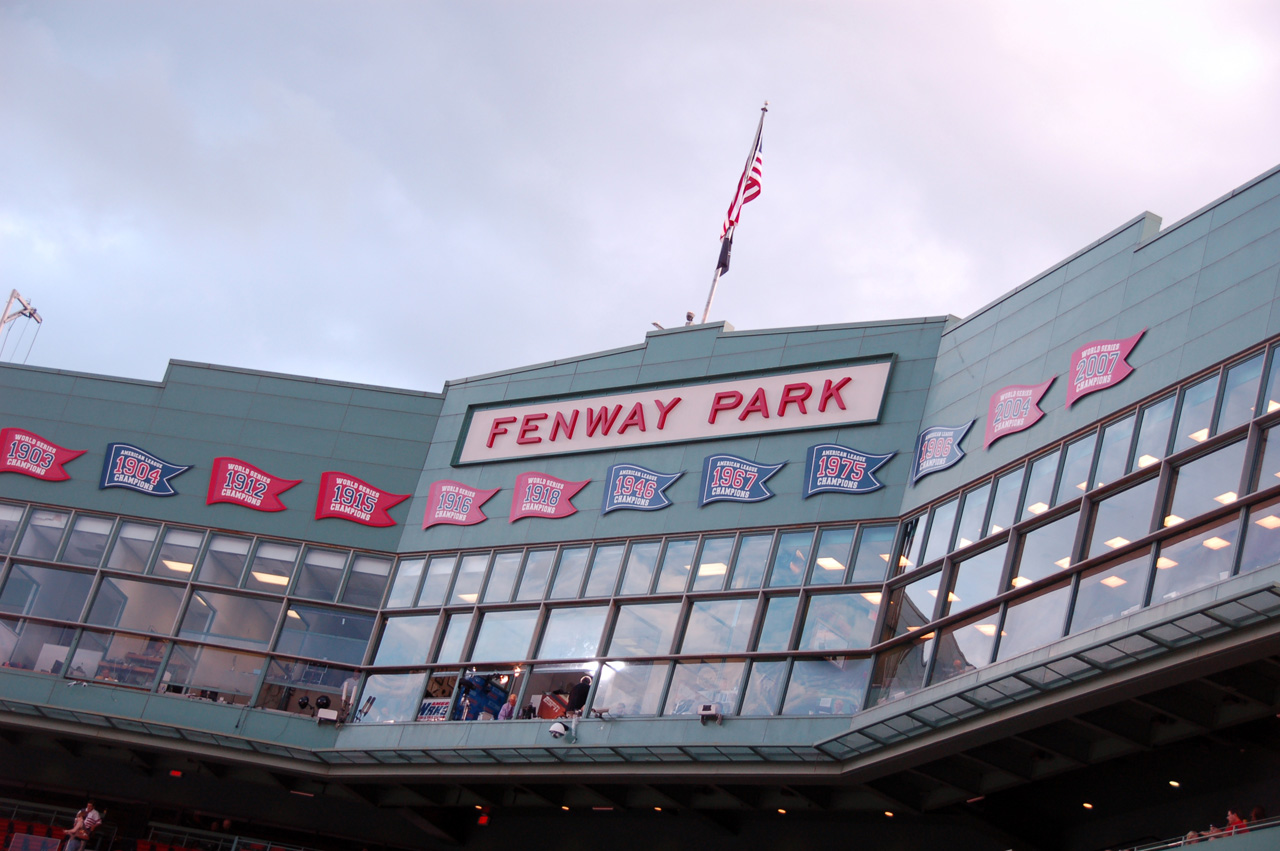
<point x="404" y="193"/>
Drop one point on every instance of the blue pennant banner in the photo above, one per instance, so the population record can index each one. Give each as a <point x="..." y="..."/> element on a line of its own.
<point x="130" y="467"/>
<point x="938" y="448"/>
<point x="637" y="488"/>
<point x="733" y="479"/>
<point x="831" y="468"/>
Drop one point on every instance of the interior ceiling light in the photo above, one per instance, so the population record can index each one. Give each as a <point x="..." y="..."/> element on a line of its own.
<point x="1113" y="581"/>
<point x="1083" y="486"/>
<point x="1147" y="461"/>
<point x="987" y="629"/>
<point x="1019" y="581"/>
<point x="177" y="566"/>
<point x="1226" y="498"/>
<point x="1175" y="784"/>
<point x="1116" y="542"/>
<point x="1038" y="508"/>
<point x="828" y="563"/>
<point x="718" y="568"/>
<point x="995" y="528"/>
<point x="467" y="598"/>
<point x="1268" y="522"/>
<point x="291" y="613"/>
<point x="269" y="578"/>
<point x="1173" y="520"/>
<point x="1063" y="562"/>
<point x="952" y="598"/>
<point x="963" y="542"/>
<point x="872" y="597"/>
<point x="1199" y="436"/>
<point x="1164" y="563"/>
<point x="1088" y="806"/>
<point x="932" y="592"/>
<point x="1216" y="543"/>
<point x="1272" y="406"/>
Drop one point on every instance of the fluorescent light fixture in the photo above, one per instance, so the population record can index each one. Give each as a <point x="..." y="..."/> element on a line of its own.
<point x="467" y="598"/>
<point x="903" y="561"/>
<point x="885" y="556"/>
<point x="1272" y="406"/>
<point x="828" y="563"/>
<point x="1173" y="520"/>
<point x="1037" y="508"/>
<point x="1116" y="542"/>
<point x="1114" y="581"/>
<point x="1164" y="563"/>
<point x="1019" y="581"/>
<point x="932" y="592"/>
<point x="963" y="542"/>
<point x="1063" y="562"/>
<point x="177" y="566"/>
<point x="291" y="613"/>
<point x="269" y="578"/>
<point x="987" y="629"/>
<point x="996" y="528"/>
<point x="1226" y="498"/>
<point x="1147" y="461"/>
<point x="1268" y="522"/>
<point x="1216" y="543"/>
<point x="872" y="597"/>
<point x="1199" y="436"/>
<point x="1082" y="486"/>
<point x="718" y="568"/>
<point x="952" y="598"/>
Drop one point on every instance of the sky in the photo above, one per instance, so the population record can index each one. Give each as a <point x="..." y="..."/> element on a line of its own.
<point x="403" y="193"/>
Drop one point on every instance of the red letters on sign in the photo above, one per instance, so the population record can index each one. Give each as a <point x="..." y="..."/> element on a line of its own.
<point x="725" y="400"/>
<point x="528" y="426"/>
<point x="795" y="394"/>
<point x="498" y="427"/>
<point x="759" y="404"/>
<point x="635" y="418"/>
<point x="663" y="410"/>
<point x="567" y="427"/>
<point x="832" y="391"/>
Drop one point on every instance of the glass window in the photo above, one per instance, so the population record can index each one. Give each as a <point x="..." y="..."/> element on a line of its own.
<point x="288" y="679"/>
<point x="1033" y="622"/>
<point x="938" y="543"/>
<point x="10" y="518"/>
<point x="1113" y="457"/>
<point x="41" y="648"/>
<point x="1269" y="470"/>
<point x="1261" y="540"/>
<point x="405" y="586"/>
<point x="792" y="559"/>
<point x="231" y="620"/>
<point x="838" y="622"/>
<point x="900" y="671"/>
<point x="178" y="551"/>
<point x="1005" y="505"/>
<point x="136" y="605"/>
<point x="44" y="531"/>
<point x="1153" y="434"/>
<point x="120" y="659"/>
<point x="977" y="580"/>
<point x="406" y="640"/>
<point x="1271" y="398"/>
<point x="875" y="547"/>
<point x="1046" y="550"/>
<point x="271" y="568"/>
<point x="753" y="558"/>
<point x="713" y="564"/>
<point x="1040" y="486"/>
<point x="321" y="574"/>
<point x="971" y="517"/>
<point x="537" y="570"/>
<point x="573" y="633"/>
<point x="644" y="629"/>
<point x="764" y="688"/>
<point x="502" y="578"/>
<point x="631" y="688"/>
<point x="697" y="683"/>
<point x="834" y="548"/>
<point x="1075" y="469"/>
<point x="911" y="606"/>
<point x="436" y="582"/>
<point x="367" y="581"/>
<point x="719" y="626"/>
<point x="1206" y="483"/>
<point x="504" y="636"/>
<point x="132" y="549"/>
<point x="223" y="561"/>
<point x="391" y="698"/>
<point x="641" y="562"/>
<point x="45" y="592"/>
<point x="779" y="619"/>
<point x="965" y="647"/>
<point x="676" y="565"/>
<point x="832" y="686"/>
<point x="223" y="676"/>
<point x="466" y="587"/>
<point x="1194" y="560"/>
<point x="1240" y="394"/>
<point x="604" y="570"/>
<point x="330" y="634"/>
<point x="1196" y="415"/>
<point x="1122" y="518"/>
<point x="455" y="639"/>
<point x="1114" y="590"/>
<point x="912" y="538"/>
<point x="88" y="540"/>
<point x="573" y="564"/>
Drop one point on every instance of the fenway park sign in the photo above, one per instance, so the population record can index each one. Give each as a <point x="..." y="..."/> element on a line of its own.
<point x="837" y="396"/>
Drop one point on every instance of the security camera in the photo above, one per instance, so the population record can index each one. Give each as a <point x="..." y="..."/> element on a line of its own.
<point x="558" y="730"/>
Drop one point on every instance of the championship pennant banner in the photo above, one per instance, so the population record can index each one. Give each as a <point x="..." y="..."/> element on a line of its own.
<point x="455" y="504"/>
<point x="1014" y="409"/>
<point x="138" y="470"/>
<point x="937" y="448"/>
<point x="236" y="481"/>
<point x="349" y="498"/>
<point x="832" y="468"/>
<point x="637" y="488"/>
<point x="1099" y="365"/>
<point x="728" y="478"/>
<point x="25" y="452"/>
<point x="540" y="495"/>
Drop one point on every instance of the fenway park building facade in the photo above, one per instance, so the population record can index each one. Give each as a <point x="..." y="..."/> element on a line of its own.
<point x="931" y="582"/>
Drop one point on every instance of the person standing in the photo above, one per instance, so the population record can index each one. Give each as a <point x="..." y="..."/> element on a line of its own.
<point x="87" y="821"/>
<point x="578" y="696"/>
<point x="508" y="710"/>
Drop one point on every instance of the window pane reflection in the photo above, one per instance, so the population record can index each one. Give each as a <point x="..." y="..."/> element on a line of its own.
<point x="791" y="560"/>
<point x="1040" y="486"/>
<point x="972" y="515"/>
<point x="1075" y="470"/>
<point x="121" y="659"/>
<point x="395" y="698"/>
<point x="1112" y="591"/>
<point x="1261" y="540"/>
<point x="1194" y="560"/>
<point x="696" y="683"/>
<point x="644" y="629"/>
<point x="367" y="581"/>
<point x="676" y="564"/>
<point x="1206" y="483"/>
<point x="455" y="639"/>
<point x="631" y="688"/>
<point x="912" y="538"/>
<point x="136" y="605"/>
<point x="321" y="574"/>
<point x="224" y="560"/>
<point x="270" y="570"/>
<point x="10" y="518"/>
<point x="504" y="636"/>
<point x="406" y="640"/>
<point x="537" y="568"/>
<point x="1196" y="415"/>
<point x="1122" y="518"/>
<point x="753" y="558"/>
<point x="573" y="633"/>
<point x="44" y="592"/>
<point x="231" y="620"/>
<point x="502" y="579"/>
<point x="1046" y="550"/>
<point x="44" y="531"/>
<point x="875" y="545"/>
<point x="1033" y="622"/>
<point x="719" y="626"/>
<point x="911" y="606"/>
<point x="224" y="676"/>
<point x="713" y="564"/>
<point x="40" y="648"/>
<point x="1271" y="398"/>
<point x="965" y="647"/>
<point x="939" y="541"/>
<point x="900" y="671"/>
<point x="839" y="622"/>
<point x="466" y="587"/>
<point x="436" y="582"/>
<point x="328" y="634"/>
<point x="1113" y="457"/>
<point x="178" y="549"/>
<point x="977" y="579"/>
<point x="1005" y="504"/>
<point x="405" y="585"/>
<point x="604" y="570"/>
<point x="88" y="540"/>
<point x="1240" y="394"/>
<point x="1153" y="434"/>
<point x="641" y="562"/>
<point x="834" y="686"/>
<point x="573" y="565"/>
<point x="764" y="688"/>
<point x="779" y="618"/>
<point x="834" y="547"/>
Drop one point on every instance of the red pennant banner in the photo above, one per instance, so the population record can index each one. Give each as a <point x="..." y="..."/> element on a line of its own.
<point x="25" y="452"/>
<point x="1014" y="409"/>
<point x="233" y="480"/>
<point x="346" y="497"/>
<point x="540" y="495"/>
<point x="455" y="504"/>
<point x="1098" y="365"/>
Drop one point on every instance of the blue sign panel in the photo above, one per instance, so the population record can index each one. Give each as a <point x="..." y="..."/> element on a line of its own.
<point x="733" y="479"/>
<point x="637" y="488"/>
<point x="832" y="468"/>
<point x="130" y="467"/>
<point x="938" y="448"/>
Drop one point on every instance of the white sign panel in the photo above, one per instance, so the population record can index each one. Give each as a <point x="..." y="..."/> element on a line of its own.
<point x="836" y="396"/>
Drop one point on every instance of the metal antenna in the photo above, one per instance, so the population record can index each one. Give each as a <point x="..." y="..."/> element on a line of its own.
<point x="11" y="315"/>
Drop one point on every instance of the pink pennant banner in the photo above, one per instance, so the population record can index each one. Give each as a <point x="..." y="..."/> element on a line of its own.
<point x="1014" y="409"/>
<point x="28" y="453"/>
<point x="1098" y="365"/>
<point x="239" y="482"/>
<point x="540" y="495"/>
<point x="455" y="504"/>
<point x="348" y="498"/>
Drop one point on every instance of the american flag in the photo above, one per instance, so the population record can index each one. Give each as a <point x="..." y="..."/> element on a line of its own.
<point x="748" y="187"/>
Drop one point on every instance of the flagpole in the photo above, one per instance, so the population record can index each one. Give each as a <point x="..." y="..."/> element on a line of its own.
<point x="746" y="174"/>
